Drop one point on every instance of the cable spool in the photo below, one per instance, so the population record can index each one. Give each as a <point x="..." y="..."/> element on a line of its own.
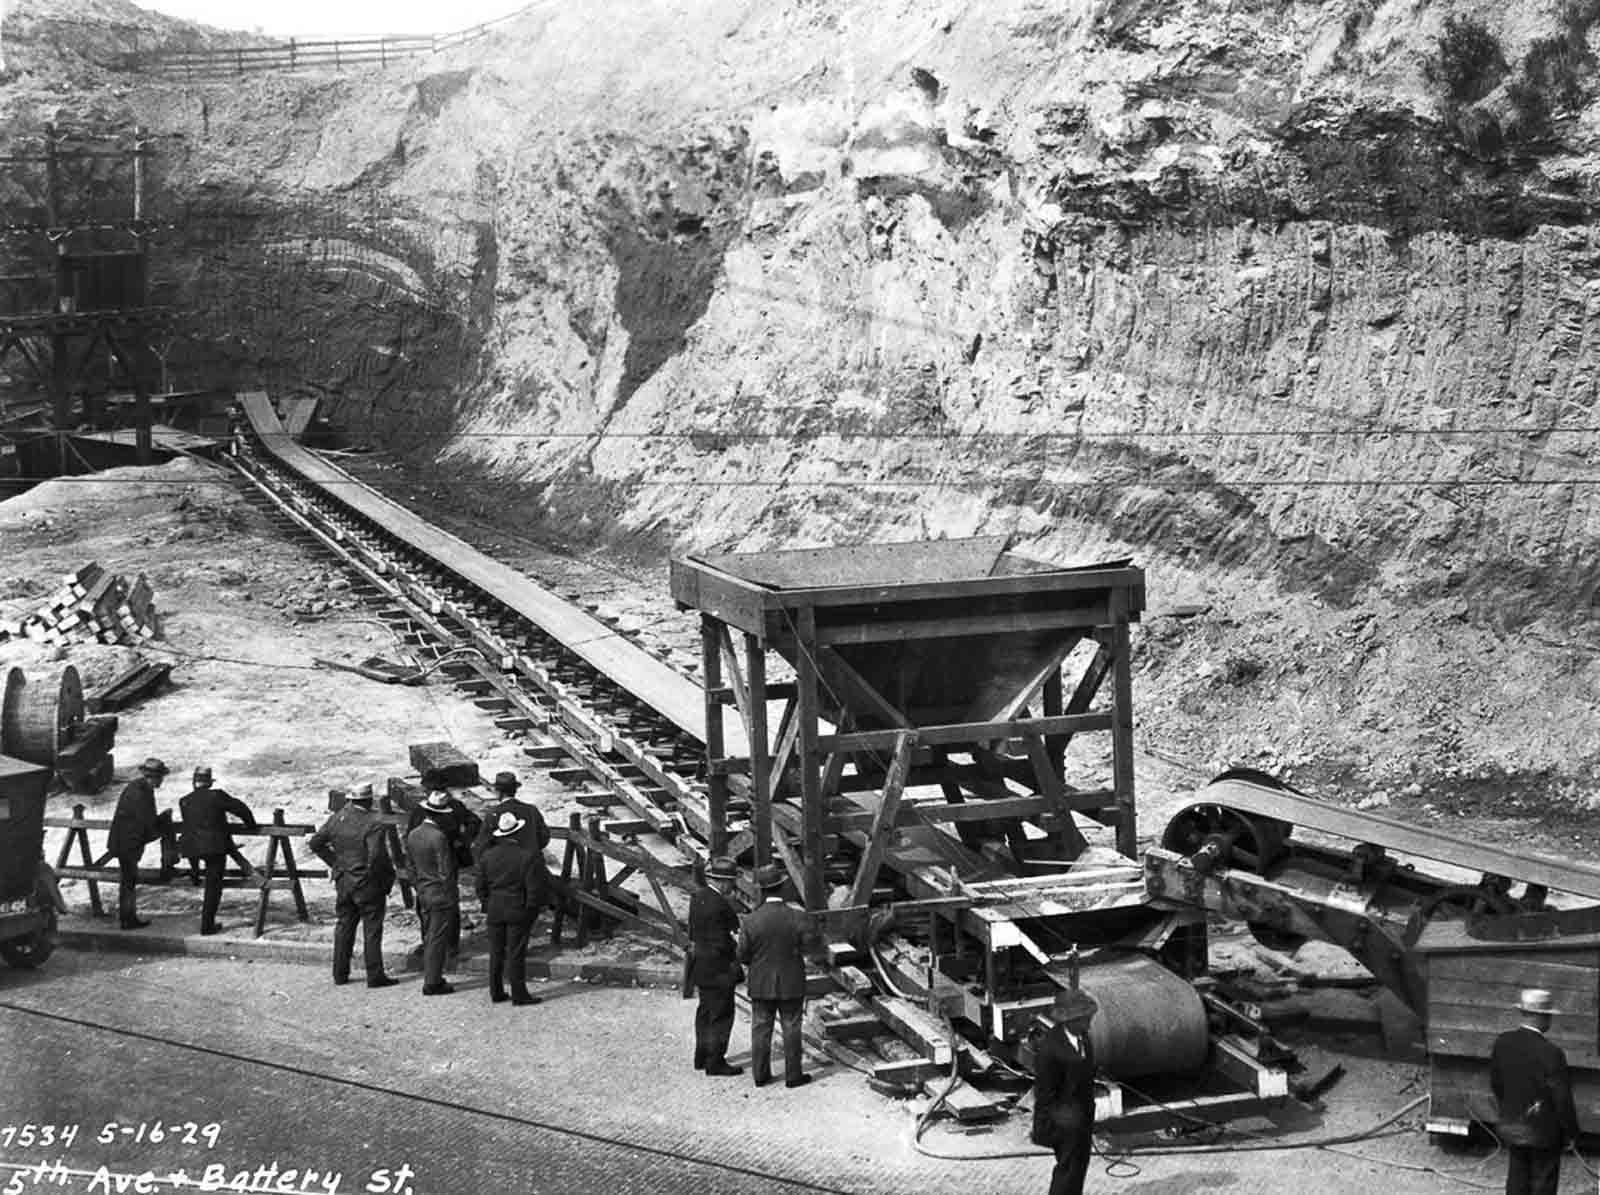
<point x="40" y="716"/>
<point x="1149" y="1021"/>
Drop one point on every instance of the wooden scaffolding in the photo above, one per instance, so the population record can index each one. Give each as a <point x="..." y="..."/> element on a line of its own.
<point x="918" y="685"/>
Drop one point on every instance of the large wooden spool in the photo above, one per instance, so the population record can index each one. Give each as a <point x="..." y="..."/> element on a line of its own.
<point x="40" y="715"/>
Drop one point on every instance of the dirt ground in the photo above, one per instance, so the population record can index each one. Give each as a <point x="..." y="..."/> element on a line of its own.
<point x="247" y="612"/>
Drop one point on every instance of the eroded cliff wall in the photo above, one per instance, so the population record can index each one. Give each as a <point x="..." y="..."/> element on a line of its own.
<point x="1293" y="301"/>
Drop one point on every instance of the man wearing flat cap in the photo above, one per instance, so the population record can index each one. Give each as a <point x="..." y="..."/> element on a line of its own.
<point x="206" y="840"/>
<point x="435" y="876"/>
<point x="513" y="885"/>
<point x="773" y="942"/>
<point x="1537" y="1117"/>
<point x="134" y="824"/>
<point x="1063" y="1090"/>
<point x="355" y="846"/>
<point x="712" y="967"/>
<point x="533" y="836"/>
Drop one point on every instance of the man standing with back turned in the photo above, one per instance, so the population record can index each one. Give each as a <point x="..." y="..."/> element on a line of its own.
<point x="773" y="942"/>
<point x="206" y="839"/>
<point x="355" y="846"/>
<point x="1528" y="1074"/>
<point x="435" y="874"/>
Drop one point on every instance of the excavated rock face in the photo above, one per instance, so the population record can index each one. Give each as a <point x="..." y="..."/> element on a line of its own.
<point x="1293" y="301"/>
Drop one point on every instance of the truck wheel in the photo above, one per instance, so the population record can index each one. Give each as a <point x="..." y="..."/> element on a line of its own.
<point x="31" y="950"/>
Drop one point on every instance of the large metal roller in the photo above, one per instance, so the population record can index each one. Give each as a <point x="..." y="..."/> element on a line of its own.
<point x="41" y="714"/>
<point x="1150" y="1021"/>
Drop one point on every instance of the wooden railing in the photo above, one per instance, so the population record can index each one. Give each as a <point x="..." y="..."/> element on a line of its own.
<point x="296" y="55"/>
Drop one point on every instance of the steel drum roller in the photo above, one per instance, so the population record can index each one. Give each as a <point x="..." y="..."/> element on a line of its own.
<point x="1150" y="1021"/>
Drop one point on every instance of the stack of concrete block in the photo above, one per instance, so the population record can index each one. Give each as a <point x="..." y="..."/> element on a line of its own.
<point x="91" y="606"/>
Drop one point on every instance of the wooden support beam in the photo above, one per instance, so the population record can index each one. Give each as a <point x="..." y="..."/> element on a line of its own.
<point x="1055" y="792"/>
<point x="1122" y="730"/>
<point x="883" y="821"/>
<point x="716" y="785"/>
<point x="993" y="624"/>
<point x="917" y="1028"/>
<point x="788" y="739"/>
<point x="967" y="732"/>
<point x="761" y="777"/>
<point x="814" y="890"/>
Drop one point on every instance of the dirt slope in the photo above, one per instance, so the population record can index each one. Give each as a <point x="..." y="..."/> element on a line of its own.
<point x="1293" y="301"/>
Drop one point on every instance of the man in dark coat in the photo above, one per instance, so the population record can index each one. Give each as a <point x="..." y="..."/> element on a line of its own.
<point x="461" y="827"/>
<point x="713" y="967"/>
<point x="355" y="846"/>
<point x="134" y="824"/>
<point x="773" y="943"/>
<point x="534" y="835"/>
<point x="1538" y="1120"/>
<point x="1063" y="1090"/>
<point x="434" y="875"/>
<point x="206" y="839"/>
<point x="513" y="885"/>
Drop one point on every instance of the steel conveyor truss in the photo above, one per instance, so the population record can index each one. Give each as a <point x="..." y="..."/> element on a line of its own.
<point x="1236" y="853"/>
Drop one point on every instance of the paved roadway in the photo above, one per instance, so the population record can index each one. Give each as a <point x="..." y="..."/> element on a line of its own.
<point x="589" y="1092"/>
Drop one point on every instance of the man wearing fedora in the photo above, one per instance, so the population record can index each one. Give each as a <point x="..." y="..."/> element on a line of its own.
<point x="134" y="824"/>
<point x="1537" y="1117"/>
<point x="206" y="840"/>
<point x="1063" y="1090"/>
<point x="534" y="835"/>
<point x="713" y="967"/>
<point x="355" y="846"/>
<point x="435" y="876"/>
<point x="773" y="943"/>
<point x="513" y="885"/>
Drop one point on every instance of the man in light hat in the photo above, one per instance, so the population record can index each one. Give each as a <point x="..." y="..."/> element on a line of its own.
<point x="773" y="942"/>
<point x="461" y="827"/>
<point x="534" y="835"/>
<point x="712" y="967"/>
<point x="1537" y="1117"/>
<point x="513" y="886"/>
<point x="206" y="839"/>
<point x="435" y="875"/>
<point x="1063" y="1090"/>
<point x="355" y="846"/>
<point x="134" y="824"/>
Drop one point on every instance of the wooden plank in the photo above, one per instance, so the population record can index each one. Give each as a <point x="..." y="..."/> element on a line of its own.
<point x="659" y="686"/>
<point x="1055" y="793"/>
<point x="1069" y="618"/>
<point x="914" y="812"/>
<point x="855" y="1023"/>
<point x="883" y="820"/>
<point x="917" y="1028"/>
<point x="909" y="1072"/>
<point x="967" y="732"/>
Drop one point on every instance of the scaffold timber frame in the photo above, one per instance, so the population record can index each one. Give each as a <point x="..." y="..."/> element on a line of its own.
<point x="939" y="665"/>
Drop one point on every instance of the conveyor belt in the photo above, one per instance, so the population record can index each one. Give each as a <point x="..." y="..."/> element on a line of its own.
<point x="677" y="698"/>
<point x="1580" y="879"/>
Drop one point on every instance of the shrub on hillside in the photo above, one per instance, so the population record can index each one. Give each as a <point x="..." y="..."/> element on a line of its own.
<point x="1468" y="63"/>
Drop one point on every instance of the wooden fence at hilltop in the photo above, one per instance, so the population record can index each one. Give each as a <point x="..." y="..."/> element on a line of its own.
<point x="224" y="62"/>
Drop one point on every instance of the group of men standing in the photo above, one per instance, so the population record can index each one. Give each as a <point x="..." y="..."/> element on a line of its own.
<point x="773" y="941"/>
<point x="513" y="884"/>
<point x="206" y="840"/>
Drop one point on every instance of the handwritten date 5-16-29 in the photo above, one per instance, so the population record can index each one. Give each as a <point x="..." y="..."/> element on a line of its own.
<point x="144" y="1132"/>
